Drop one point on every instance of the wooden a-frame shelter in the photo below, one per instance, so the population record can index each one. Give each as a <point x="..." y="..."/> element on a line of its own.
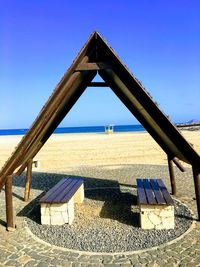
<point x="97" y="57"/>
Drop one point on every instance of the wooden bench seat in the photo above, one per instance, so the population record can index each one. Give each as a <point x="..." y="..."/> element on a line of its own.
<point x="155" y="204"/>
<point x="57" y="205"/>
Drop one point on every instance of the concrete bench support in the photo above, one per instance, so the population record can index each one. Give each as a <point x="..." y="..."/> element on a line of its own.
<point x="156" y="217"/>
<point x="55" y="213"/>
<point x="155" y="204"/>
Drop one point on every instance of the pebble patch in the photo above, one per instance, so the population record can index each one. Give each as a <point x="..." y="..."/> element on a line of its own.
<point x="107" y="221"/>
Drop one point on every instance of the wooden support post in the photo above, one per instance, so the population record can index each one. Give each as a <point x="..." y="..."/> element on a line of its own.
<point x="9" y="204"/>
<point x="172" y="175"/>
<point x="196" y="174"/>
<point x="28" y="180"/>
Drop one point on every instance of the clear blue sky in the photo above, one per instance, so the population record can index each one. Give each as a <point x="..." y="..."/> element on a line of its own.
<point x="158" y="40"/>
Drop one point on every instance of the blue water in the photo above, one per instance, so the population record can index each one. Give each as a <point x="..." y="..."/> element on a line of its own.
<point x="85" y="129"/>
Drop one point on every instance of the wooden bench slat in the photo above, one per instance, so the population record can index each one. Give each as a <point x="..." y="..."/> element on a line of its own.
<point x="62" y="191"/>
<point x="165" y="193"/>
<point x="68" y="192"/>
<point x="52" y="190"/>
<point x="59" y="191"/>
<point x="141" y="192"/>
<point x="159" y="197"/>
<point x="149" y="193"/>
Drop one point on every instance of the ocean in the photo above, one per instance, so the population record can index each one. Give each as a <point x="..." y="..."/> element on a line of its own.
<point x="82" y="129"/>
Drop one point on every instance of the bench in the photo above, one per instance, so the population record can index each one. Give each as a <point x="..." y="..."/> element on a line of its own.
<point x="57" y="205"/>
<point x="155" y="204"/>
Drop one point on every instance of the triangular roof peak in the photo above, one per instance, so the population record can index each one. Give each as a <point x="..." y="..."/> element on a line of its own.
<point x="97" y="56"/>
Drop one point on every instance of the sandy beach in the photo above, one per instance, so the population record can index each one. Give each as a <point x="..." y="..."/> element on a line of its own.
<point x="64" y="151"/>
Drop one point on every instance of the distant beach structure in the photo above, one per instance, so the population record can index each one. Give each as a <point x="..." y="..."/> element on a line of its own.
<point x="109" y="128"/>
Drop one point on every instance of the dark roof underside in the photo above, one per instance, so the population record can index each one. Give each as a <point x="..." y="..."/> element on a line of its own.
<point x="97" y="56"/>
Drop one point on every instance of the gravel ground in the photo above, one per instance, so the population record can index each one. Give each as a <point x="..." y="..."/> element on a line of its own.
<point x="21" y="249"/>
<point x="107" y="221"/>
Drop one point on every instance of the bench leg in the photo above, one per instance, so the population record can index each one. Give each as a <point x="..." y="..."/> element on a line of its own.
<point x="79" y="195"/>
<point x="57" y="214"/>
<point x="156" y="217"/>
<point x="70" y="210"/>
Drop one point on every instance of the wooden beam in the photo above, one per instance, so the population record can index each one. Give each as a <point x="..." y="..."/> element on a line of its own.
<point x="196" y="175"/>
<point x="93" y="66"/>
<point x="21" y="169"/>
<point x="172" y="175"/>
<point x="98" y="84"/>
<point x="9" y="204"/>
<point x="178" y="164"/>
<point x="28" y="180"/>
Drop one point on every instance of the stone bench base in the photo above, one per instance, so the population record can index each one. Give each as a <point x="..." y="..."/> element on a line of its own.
<point x="57" y="214"/>
<point x="156" y="217"/>
<point x="61" y="213"/>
